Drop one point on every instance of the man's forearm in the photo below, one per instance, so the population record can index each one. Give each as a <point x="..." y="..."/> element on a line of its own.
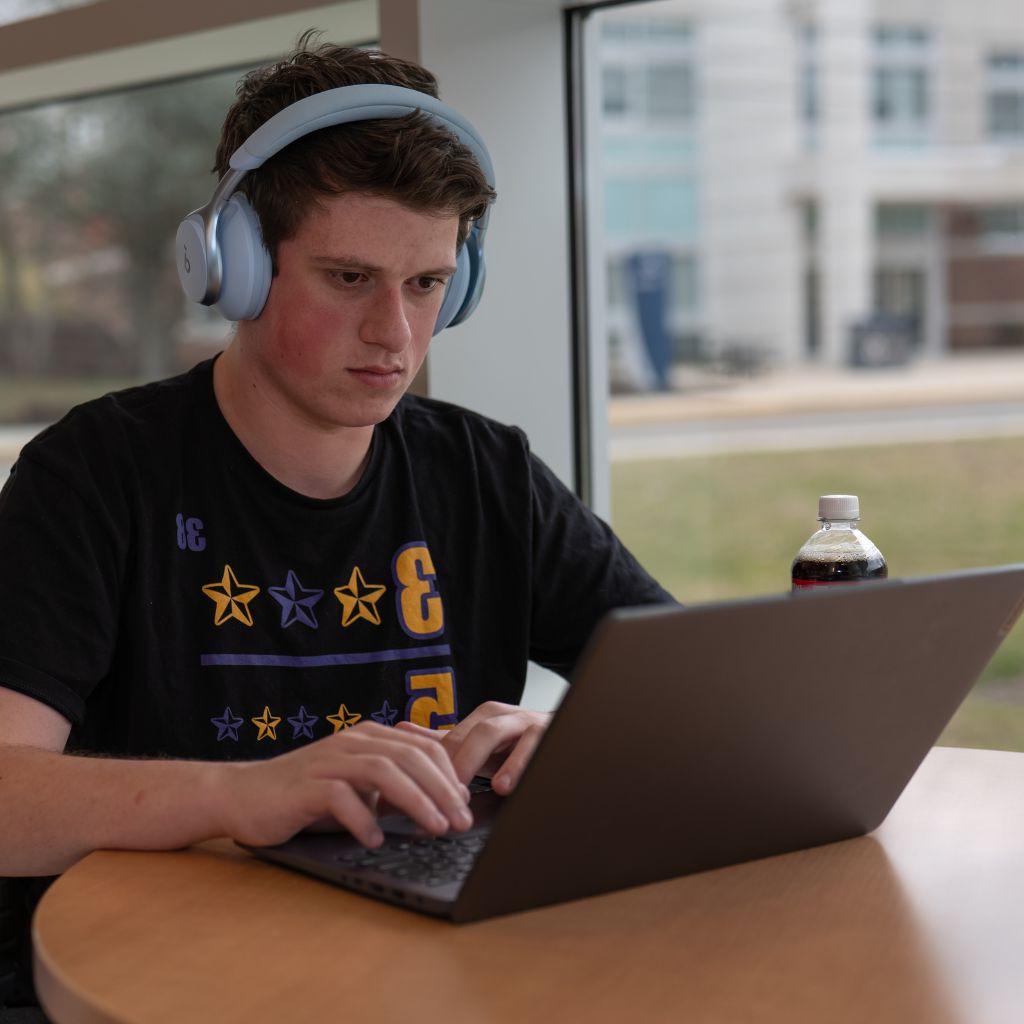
<point x="56" y="808"/>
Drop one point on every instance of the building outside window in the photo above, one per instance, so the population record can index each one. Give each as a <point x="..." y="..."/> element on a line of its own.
<point x="649" y="101"/>
<point x="901" y="84"/>
<point x="1004" y="96"/>
<point x="1004" y="223"/>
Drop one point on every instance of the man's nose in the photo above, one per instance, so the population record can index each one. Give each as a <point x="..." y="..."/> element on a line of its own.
<point x="385" y="322"/>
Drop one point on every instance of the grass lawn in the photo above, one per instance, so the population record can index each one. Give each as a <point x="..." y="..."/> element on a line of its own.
<point x="45" y="399"/>
<point x="728" y="526"/>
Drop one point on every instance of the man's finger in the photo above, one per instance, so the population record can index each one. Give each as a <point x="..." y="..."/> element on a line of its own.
<point x="437" y="736"/>
<point x="506" y="778"/>
<point x="487" y="738"/>
<point x="419" y="730"/>
<point x="455" y="737"/>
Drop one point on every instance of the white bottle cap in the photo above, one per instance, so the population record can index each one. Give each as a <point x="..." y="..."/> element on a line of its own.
<point x="839" y="506"/>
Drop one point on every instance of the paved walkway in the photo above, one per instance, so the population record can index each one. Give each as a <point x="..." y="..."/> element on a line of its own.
<point x="786" y="431"/>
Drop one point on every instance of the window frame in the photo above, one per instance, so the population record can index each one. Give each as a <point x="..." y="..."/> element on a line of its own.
<point x="150" y="53"/>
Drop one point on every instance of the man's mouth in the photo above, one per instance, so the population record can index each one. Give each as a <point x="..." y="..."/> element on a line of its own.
<point x="378" y="376"/>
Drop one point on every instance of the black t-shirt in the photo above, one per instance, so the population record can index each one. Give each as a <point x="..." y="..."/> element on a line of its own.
<point x="170" y="597"/>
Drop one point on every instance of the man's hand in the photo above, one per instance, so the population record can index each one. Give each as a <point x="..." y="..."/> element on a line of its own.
<point x="495" y="739"/>
<point x="341" y="778"/>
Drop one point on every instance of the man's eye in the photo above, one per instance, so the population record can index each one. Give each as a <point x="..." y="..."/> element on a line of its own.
<point x="426" y="284"/>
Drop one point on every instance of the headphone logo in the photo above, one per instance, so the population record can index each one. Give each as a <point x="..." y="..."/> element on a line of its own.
<point x="188" y="266"/>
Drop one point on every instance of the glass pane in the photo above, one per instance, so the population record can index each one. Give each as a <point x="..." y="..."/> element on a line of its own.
<point x="1003" y="220"/>
<point x="21" y="10"/>
<point x="779" y="328"/>
<point x="93" y="193"/>
<point x="670" y="91"/>
<point x="613" y="81"/>
<point x="1006" y="114"/>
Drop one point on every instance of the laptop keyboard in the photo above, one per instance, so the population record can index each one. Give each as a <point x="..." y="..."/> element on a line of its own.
<point x="432" y="861"/>
<point x="428" y="860"/>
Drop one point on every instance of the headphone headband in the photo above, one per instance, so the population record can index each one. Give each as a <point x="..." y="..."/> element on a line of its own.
<point x="356" y="103"/>
<point x="209" y="229"/>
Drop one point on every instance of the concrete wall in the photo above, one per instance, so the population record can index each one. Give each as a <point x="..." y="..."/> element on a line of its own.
<point x="500" y="64"/>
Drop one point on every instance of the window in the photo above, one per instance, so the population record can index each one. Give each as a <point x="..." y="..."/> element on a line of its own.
<point x="670" y="91"/>
<point x="808" y="100"/>
<point x="614" y="81"/>
<point x="648" y="32"/>
<point x="647" y="70"/>
<point x="99" y="160"/>
<point x="999" y="222"/>
<point x="735" y="279"/>
<point x="1004" y="96"/>
<point x="94" y="190"/>
<point x="902" y="221"/>
<point x="663" y="91"/>
<point x="901" y="76"/>
<point x="12" y="11"/>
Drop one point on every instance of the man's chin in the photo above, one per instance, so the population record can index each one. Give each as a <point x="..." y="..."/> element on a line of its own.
<point x="362" y="412"/>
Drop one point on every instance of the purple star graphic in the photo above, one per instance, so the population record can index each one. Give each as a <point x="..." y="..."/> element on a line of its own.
<point x="296" y="601"/>
<point x="386" y="715"/>
<point x="227" y="725"/>
<point x="303" y="724"/>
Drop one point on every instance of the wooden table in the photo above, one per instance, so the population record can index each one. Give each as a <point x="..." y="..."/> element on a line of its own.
<point x="921" y="921"/>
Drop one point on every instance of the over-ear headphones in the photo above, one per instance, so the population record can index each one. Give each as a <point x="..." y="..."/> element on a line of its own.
<point x="219" y="249"/>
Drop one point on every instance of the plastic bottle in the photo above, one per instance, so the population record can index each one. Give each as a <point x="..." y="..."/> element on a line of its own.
<point x="838" y="552"/>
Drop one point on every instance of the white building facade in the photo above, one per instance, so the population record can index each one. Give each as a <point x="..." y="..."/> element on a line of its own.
<point x="809" y="165"/>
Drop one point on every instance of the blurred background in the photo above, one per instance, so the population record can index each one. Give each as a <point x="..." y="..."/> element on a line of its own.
<point x="803" y="224"/>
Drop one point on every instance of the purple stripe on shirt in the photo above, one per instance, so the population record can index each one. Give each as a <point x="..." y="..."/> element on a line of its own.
<point x="323" y="660"/>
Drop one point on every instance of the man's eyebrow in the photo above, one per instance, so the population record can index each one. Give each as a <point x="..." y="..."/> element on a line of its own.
<point x="357" y="263"/>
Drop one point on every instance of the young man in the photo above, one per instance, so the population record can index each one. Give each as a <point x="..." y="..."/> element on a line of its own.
<point x="276" y="590"/>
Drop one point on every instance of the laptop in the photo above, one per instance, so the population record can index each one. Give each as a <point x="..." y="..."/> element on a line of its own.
<point x="696" y="737"/>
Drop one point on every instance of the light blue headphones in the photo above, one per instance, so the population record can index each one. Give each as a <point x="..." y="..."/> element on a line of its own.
<point x="219" y="249"/>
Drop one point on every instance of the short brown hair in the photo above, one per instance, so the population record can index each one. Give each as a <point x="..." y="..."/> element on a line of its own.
<point x="411" y="159"/>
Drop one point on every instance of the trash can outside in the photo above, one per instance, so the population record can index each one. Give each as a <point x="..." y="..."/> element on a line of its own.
<point x="882" y="339"/>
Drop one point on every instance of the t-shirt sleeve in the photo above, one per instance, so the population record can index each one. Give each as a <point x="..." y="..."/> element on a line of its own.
<point x="58" y="590"/>
<point x="580" y="571"/>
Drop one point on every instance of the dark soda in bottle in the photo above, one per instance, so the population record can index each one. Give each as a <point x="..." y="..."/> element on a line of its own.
<point x="838" y="552"/>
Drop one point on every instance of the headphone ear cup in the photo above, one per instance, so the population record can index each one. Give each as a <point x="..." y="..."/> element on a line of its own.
<point x="477" y="277"/>
<point x="190" y="256"/>
<point x="455" y="292"/>
<point x="246" y="268"/>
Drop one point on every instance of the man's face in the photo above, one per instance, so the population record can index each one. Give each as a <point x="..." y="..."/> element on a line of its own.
<point x="350" y="313"/>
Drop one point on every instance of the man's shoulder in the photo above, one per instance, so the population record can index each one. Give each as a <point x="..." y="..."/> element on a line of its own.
<point x="101" y="439"/>
<point x="423" y="418"/>
<point x="108" y="419"/>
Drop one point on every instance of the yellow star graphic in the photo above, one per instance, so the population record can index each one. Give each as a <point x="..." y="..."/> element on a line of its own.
<point x="232" y="598"/>
<point x="344" y="719"/>
<point x="359" y="599"/>
<point x="267" y="724"/>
